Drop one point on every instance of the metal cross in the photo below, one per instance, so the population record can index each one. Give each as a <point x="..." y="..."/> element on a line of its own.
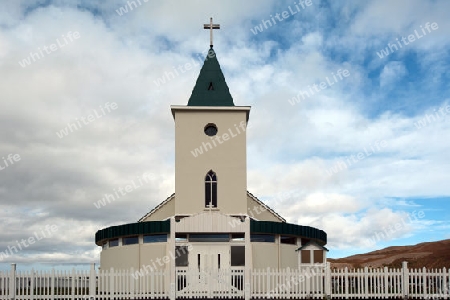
<point x="211" y="26"/>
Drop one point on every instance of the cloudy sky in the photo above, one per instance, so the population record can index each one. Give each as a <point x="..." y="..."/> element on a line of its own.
<point x="348" y="130"/>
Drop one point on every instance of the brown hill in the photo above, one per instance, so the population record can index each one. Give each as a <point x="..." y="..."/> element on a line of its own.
<point x="429" y="255"/>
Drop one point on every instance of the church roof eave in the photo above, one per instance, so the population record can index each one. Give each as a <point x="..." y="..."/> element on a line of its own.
<point x="312" y="243"/>
<point x="175" y="108"/>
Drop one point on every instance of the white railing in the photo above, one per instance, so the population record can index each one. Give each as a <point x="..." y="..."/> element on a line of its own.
<point x="52" y="284"/>
<point x="289" y="283"/>
<point x="130" y="284"/>
<point x="389" y="283"/>
<point x="363" y="283"/>
<point x="75" y="284"/>
<point x="315" y="281"/>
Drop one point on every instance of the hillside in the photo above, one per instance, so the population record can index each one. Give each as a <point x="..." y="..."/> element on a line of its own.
<point x="429" y="255"/>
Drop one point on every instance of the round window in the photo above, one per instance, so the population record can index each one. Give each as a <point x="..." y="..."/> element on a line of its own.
<point x="211" y="129"/>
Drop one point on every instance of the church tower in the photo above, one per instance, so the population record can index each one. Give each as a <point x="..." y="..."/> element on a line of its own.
<point x="210" y="147"/>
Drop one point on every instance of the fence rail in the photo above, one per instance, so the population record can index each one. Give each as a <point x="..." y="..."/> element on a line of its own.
<point x="315" y="281"/>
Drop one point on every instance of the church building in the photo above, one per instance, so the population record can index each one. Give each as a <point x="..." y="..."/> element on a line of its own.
<point x="211" y="221"/>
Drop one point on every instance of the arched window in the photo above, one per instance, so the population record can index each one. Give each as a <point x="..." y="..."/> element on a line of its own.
<point x="210" y="189"/>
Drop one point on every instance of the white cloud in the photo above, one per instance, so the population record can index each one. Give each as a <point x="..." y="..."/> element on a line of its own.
<point x="312" y="40"/>
<point x="392" y="73"/>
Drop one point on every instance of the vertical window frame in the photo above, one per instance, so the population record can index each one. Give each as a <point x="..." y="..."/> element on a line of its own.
<point x="211" y="189"/>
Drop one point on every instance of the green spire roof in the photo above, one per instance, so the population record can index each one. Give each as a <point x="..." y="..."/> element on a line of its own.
<point x="211" y="88"/>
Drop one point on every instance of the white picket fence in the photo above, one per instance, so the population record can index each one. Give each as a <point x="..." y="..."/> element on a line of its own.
<point x="309" y="282"/>
<point x="383" y="283"/>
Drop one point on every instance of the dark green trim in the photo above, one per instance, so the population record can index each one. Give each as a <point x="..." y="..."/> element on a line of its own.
<point x="152" y="227"/>
<point x="159" y="227"/>
<point x="289" y="229"/>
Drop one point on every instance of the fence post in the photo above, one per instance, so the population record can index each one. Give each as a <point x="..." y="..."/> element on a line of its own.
<point x="405" y="281"/>
<point x="247" y="283"/>
<point x="386" y="281"/>
<point x="92" y="282"/>
<point x="328" y="279"/>
<point x="366" y="281"/>
<point x="129" y="279"/>
<point x="52" y="285"/>
<point x="424" y="281"/>
<point x="444" y="285"/>
<point x="112" y="288"/>
<point x="248" y="262"/>
<point x="12" y="282"/>
<point x="346" y="282"/>
<point x="173" y="276"/>
<point x="32" y="284"/>
<point x="308" y="281"/>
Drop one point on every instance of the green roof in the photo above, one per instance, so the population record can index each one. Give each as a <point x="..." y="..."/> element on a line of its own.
<point x="310" y="243"/>
<point x="290" y="229"/>
<point x="211" y="88"/>
<point x="152" y="227"/>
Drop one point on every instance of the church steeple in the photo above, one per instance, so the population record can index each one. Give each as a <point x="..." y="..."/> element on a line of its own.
<point x="211" y="88"/>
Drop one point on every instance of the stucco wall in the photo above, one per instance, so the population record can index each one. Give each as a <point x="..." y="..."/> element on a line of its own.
<point x="288" y="256"/>
<point x="164" y="212"/>
<point x="133" y="256"/>
<point x="265" y="255"/>
<point x="227" y="159"/>
<point x="256" y="211"/>
<point x="151" y="252"/>
<point x="120" y="257"/>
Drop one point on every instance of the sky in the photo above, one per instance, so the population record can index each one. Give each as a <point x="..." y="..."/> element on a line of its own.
<point x="348" y="129"/>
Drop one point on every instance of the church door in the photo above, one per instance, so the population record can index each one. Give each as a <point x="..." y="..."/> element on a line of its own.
<point x="209" y="257"/>
<point x="209" y="274"/>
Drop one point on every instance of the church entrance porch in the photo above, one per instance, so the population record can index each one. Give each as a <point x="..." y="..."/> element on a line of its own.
<point x="209" y="274"/>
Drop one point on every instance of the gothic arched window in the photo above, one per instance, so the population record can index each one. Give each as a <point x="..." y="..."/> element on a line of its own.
<point x="210" y="189"/>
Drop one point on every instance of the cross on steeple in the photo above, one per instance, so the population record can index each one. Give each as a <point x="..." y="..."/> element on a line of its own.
<point x="211" y="26"/>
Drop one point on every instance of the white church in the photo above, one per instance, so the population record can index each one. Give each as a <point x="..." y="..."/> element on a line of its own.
<point x="211" y="221"/>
